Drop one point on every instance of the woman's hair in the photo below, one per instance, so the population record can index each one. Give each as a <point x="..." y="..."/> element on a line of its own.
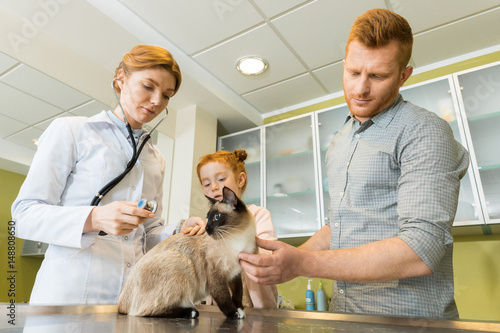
<point x="148" y="56"/>
<point x="235" y="161"/>
<point x="378" y="27"/>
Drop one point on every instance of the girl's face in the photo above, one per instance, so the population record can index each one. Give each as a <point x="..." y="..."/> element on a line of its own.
<point x="144" y="94"/>
<point x="214" y="176"/>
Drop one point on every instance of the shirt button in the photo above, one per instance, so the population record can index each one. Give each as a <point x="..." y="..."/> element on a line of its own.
<point x="129" y="265"/>
<point x="133" y="188"/>
<point x="125" y="238"/>
<point x="336" y="224"/>
<point x="357" y="136"/>
<point x="341" y="194"/>
<point x="347" y="164"/>
<point x="341" y="291"/>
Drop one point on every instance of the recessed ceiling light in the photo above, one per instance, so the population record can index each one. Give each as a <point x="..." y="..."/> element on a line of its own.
<point x="35" y="142"/>
<point x="251" y="65"/>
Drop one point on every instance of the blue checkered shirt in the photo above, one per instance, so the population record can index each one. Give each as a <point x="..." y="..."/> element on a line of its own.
<point x="397" y="175"/>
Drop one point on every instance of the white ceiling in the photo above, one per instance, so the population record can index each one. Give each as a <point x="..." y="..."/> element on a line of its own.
<point x="63" y="65"/>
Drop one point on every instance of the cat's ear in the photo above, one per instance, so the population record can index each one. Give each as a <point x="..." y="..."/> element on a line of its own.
<point x="229" y="197"/>
<point x="212" y="200"/>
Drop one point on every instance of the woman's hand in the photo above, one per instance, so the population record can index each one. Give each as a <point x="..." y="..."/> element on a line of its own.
<point x="193" y="226"/>
<point x="117" y="218"/>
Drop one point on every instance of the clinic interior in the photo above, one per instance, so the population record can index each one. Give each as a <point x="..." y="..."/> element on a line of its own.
<point x="57" y="59"/>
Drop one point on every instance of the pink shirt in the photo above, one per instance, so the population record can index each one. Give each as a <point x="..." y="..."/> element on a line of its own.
<point x="262" y="296"/>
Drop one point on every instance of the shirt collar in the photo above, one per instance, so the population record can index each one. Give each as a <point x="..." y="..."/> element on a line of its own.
<point x="384" y="118"/>
<point x="109" y="117"/>
<point x="123" y="128"/>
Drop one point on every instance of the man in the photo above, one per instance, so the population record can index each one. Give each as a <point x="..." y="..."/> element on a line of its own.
<point x="394" y="173"/>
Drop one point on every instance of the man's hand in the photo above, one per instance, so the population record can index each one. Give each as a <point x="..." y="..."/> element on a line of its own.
<point x="282" y="265"/>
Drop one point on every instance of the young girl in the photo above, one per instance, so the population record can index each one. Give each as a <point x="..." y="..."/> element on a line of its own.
<point x="228" y="169"/>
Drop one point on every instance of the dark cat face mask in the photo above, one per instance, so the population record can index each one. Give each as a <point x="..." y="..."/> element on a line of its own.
<point x="222" y="213"/>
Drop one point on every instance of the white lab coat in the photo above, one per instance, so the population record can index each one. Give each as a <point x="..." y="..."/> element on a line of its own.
<point x="76" y="157"/>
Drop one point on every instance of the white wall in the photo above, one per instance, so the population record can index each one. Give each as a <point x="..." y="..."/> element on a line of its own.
<point x="166" y="146"/>
<point x="195" y="136"/>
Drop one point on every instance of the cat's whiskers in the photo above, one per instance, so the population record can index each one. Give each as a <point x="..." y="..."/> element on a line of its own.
<point x="221" y="232"/>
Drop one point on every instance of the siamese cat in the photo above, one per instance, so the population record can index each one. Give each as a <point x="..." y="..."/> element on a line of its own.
<point x="183" y="269"/>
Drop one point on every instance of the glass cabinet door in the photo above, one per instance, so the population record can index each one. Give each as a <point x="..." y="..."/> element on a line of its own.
<point x="290" y="181"/>
<point x="329" y="123"/>
<point x="480" y="98"/>
<point x="250" y="141"/>
<point x="436" y="97"/>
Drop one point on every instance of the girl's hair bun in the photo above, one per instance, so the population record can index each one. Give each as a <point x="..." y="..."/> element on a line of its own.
<point x="241" y="154"/>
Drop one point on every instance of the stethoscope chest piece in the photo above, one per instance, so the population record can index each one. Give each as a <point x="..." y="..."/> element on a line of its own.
<point x="149" y="205"/>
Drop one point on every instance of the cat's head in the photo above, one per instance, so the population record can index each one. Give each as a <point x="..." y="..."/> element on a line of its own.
<point x="227" y="214"/>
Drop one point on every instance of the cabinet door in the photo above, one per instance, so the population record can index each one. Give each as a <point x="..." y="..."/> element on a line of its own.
<point x="329" y="123"/>
<point x="480" y="100"/>
<point x="437" y="97"/>
<point x="290" y="181"/>
<point x="250" y="141"/>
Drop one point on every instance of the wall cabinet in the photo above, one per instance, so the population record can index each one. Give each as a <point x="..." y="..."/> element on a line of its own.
<point x="479" y="98"/>
<point x="439" y="97"/>
<point x="251" y="141"/>
<point x="290" y="182"/>
<point x="470" y="102"/>
<point x="34" y="249"/>
<point x="287" y="168"/>
<point x="281" y="169"/>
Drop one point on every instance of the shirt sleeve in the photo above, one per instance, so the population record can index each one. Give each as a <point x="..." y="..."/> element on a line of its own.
<point x="35" y="210"/>
<point x="263" y="296"/>
<point x="157" y="231"/>
<point x="432" y="164"/>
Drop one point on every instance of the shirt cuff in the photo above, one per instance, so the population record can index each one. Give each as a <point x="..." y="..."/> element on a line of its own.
<point x="427" y="245"/>
<point x="179" y="226"/>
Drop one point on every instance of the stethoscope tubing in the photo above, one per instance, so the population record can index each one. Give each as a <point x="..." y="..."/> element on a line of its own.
<point x="135" y="156"/>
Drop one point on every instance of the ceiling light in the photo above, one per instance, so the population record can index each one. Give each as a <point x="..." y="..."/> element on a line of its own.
<point x="251" y="65"/>
<point x="35" y="142"/>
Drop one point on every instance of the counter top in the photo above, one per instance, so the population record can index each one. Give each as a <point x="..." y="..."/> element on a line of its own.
<point x="104" y="318"/>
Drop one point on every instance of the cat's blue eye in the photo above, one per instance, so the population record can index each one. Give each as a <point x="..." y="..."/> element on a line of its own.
<point x="216" y="216"/>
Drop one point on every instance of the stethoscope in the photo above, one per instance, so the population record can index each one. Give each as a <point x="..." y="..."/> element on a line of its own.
<point x="151" y="205"/>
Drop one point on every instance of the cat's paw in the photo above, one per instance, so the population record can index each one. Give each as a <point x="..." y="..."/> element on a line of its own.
<point x="194" y="313"/>
<point x="239" y="314"/>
